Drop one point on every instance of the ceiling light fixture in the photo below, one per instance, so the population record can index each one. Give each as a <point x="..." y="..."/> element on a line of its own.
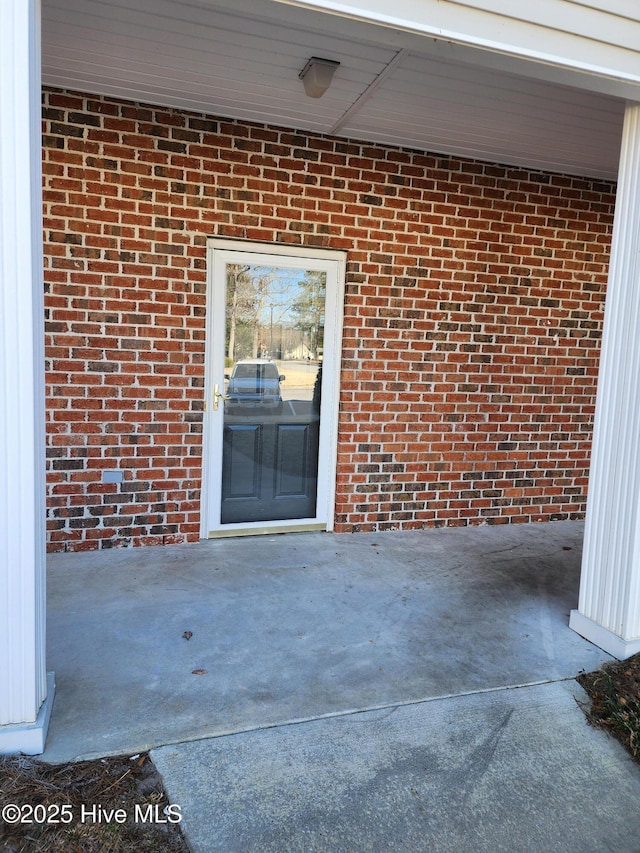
<point x="317" y="75"/>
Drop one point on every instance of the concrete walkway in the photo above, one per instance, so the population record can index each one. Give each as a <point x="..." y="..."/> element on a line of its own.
<point x="371" y="692"/>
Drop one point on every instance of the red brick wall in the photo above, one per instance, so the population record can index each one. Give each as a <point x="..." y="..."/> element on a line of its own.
<point x="473" y="313"/>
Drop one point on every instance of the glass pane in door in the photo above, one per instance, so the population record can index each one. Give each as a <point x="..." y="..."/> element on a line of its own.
<point x="273" y="371"/>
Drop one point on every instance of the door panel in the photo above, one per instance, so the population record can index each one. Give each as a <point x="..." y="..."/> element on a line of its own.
<point x="297" y="457"/>
<point x="269" y="472"/>
<point x="242" y="470"/>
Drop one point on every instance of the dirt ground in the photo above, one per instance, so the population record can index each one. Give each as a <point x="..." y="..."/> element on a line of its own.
<point x="615" y="701"/>
<point x="118" y="805"/>
<point x="111" y="805"/>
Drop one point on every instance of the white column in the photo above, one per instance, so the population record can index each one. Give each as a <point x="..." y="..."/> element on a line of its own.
<point x="608" y="611"/>
<point x="26" y="694"/>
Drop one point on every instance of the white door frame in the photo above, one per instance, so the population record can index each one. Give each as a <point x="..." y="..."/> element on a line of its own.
<point x="220" y="252"/>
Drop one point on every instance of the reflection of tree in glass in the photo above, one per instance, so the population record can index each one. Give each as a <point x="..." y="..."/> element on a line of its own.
<point x="239" y="303"/>
<point x="249" y="290"/>
<point x="308" y="308"/>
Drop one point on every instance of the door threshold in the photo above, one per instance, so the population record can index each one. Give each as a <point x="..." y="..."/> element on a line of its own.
<point x="263" y="531"/>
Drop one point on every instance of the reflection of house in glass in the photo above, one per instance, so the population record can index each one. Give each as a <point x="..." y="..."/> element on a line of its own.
<point x="301" y="352"/>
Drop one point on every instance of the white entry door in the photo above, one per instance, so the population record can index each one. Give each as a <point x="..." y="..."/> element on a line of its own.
<point x="274" y="330"/>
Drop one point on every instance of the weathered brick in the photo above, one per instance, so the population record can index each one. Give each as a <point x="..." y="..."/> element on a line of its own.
<point x="473" y="315"/>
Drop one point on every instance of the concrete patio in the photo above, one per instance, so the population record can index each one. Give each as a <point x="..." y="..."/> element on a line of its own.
<point x="250" y="665"/>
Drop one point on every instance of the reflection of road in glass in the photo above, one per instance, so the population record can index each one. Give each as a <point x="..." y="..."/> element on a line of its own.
<point x="296" y="394"/>
<point x="301" y="376"/>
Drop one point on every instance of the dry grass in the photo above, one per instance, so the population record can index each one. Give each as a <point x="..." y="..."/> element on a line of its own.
<point x="615" y="701"/>
<point x="111" y="805"/>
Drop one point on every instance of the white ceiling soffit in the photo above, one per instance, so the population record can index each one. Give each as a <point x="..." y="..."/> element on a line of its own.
<point x="594" y="38"/>
<point x="242" y="61"/>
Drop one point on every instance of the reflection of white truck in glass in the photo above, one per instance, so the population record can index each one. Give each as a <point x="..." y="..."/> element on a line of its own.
<point x="255" y="383"/>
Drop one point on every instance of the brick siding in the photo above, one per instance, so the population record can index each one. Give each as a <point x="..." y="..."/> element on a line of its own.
<point x="473" y="313"/>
